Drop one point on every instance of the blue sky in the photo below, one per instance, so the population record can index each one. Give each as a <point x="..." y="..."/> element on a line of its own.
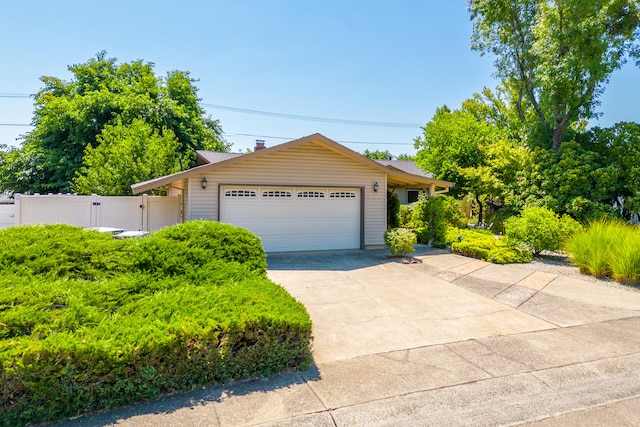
<point x="381" y="61"/>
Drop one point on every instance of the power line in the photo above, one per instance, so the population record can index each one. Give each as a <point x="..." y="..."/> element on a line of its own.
<point x="16" y="125"/>
<point x="15" y="95"/>
<point x="314" y="118"/>
<point x="340" y="141"/>
<point x="274" y="114"/>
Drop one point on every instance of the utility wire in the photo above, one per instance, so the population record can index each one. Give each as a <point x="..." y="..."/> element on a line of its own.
<point x="273" y="114"/>
<point x="16" y="125"/>
<point x="340" y="141"/>
<point x="314" y="118"/>
<point x="15" y="95"/>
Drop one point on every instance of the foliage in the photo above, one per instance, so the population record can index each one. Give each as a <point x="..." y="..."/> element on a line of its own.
<point x="393" y="210"/>
<point x="126" y="155"/>
<point x="430" y="216"/>
<point x="231" y="244"/>
<point x="607" y="248"/>
<point x="378" y="155"/>
<point x="555" y="56"/>
<point x="405" y="215"/>
<point x="482" y="244"/>
<point x="400" y="241"/>
<point x="71" y="117"/>
<point x="457" y="146"/>
<point x="620" y="145"/>
<point x="540" y="229"/>
<point x="89" y="322"/>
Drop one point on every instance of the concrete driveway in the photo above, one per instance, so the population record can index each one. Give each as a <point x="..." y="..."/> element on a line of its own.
<point x="449" y="341"/>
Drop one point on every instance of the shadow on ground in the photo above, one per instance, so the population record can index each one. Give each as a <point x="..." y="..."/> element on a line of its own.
<point x="345" y="260"/>
<point x="206" y="396"/>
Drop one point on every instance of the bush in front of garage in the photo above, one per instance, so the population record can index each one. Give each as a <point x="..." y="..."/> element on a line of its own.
<point x="88" y="322"/>
<point x="222" y="241"/>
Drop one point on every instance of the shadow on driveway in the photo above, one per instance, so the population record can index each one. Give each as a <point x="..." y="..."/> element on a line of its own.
<point x="344" y="260"/>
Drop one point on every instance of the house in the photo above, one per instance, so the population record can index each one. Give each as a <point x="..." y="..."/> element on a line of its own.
<point x="307" y="194"/>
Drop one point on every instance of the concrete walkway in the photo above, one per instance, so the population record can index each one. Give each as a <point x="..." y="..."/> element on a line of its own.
<point x="449" y="341"/>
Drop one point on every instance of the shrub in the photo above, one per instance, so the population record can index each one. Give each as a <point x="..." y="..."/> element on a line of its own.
<point x="405" y="214"/>
<point x="222" y="241"/>
<point x="607" y="248"/>
<point x="482" y="244"/>
<point x="400" y="241"/>
<point x="89" y="322"/>
<point x="393" y="210"/>
<point x="431" y="216"/>
<point x="539" y="229"/>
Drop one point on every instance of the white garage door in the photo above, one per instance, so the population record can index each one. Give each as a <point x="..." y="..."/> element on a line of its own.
<point x="295" y="219"/>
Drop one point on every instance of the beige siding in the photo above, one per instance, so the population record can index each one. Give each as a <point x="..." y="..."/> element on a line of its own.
<point x="306" y="164"/>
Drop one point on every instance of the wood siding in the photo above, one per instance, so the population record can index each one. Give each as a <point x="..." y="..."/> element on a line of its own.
<point x="303" y="165"/>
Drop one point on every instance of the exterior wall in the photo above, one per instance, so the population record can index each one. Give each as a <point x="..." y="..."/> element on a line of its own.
<point x="306" y="164"/>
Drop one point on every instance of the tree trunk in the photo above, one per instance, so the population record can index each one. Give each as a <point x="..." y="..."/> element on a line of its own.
<point x="479" y="210"/>
<point x="558" y="132"/>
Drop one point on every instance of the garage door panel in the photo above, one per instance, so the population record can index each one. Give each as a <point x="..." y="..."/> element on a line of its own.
<point x="290" y="219"/>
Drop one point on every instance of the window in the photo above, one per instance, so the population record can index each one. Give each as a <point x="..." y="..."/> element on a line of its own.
<point x="240" y="193"/>
<point x="412" y="195"/>
<point x="311" y="194"/>
<point x="342" y="195"/>
<point x="277" y="193"/>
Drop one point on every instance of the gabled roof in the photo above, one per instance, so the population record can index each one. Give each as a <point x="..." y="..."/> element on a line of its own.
<point x="395" y="177"/>
<point x="405" y="166"/>
<point x="203" y="156"/>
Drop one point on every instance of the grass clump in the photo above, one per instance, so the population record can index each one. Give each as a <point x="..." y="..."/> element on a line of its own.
<point x="88" y="322"/>
<point x="482" y="244"/>
<point x="607" y="248"/>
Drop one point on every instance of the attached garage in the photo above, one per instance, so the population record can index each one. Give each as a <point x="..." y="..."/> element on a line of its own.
<point x="296" y="218"/>
<point x="308" y="194"/>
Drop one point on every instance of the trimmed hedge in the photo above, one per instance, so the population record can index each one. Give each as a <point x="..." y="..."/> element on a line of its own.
<point x="88" y="322"/>
<point x="482" y="244"/>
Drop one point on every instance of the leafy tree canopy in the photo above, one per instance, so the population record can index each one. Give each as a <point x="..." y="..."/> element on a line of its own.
<point x="124" y="106"/>
<point x="378" y="154"/>
<point x="555" y="56"/>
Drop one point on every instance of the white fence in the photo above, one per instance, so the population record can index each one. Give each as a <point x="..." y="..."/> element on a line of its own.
<point x="144" y="213"/>
<point x="6" y="215"/>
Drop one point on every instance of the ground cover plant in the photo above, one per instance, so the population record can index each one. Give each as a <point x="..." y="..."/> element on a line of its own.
<point x="88" y="322"/>
<point x="482" y="244"/>
<point x="608" y="248"/>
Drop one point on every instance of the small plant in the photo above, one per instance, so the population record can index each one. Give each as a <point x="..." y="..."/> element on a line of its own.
<point x="400" y="241"/>
<point x="540" y="229"/>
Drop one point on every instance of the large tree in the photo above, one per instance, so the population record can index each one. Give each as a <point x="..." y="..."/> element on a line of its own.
<point x="71" y="116"/>
<point x="555" y="56"/>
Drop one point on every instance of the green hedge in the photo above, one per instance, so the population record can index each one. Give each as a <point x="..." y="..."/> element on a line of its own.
<point x="482" y="244"/>
<point x="88" y="322"/>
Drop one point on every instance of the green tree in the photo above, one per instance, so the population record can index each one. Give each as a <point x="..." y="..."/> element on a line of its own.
<point x="126" y="155"/>
<point x="620" y="144"/>
<point x="454" y="147"/>
<point x="556" y="56"/>
<point x="378" y="155"/>
<point x="70" y="117"/>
